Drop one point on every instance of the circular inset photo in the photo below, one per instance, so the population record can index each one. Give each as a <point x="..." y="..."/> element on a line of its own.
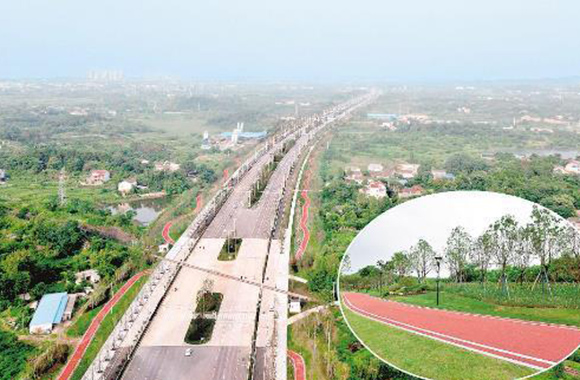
<point x="465" y="285"/>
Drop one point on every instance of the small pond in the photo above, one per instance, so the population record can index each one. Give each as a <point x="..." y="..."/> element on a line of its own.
<point x="146" y="210"/>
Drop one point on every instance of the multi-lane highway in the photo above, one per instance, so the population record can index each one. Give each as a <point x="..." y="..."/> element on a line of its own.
<point x="246" y="337"/>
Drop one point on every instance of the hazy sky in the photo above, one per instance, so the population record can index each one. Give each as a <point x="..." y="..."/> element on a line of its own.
<point x="411" y="40"/>
<point x="432" y="218"/>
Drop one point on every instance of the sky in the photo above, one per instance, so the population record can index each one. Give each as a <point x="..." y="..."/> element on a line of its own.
<point x="298" y="40"/>
<point x="432" y="218"/>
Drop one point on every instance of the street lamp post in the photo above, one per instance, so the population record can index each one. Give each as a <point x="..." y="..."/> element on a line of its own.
<point x="438" y="260"/>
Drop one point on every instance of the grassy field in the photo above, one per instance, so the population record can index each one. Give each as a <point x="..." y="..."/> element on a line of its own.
<point x="451" y="301"/>
<point x="78" y="328"/>
<point x="429" y="358"/>
<point x="107" y="326"/>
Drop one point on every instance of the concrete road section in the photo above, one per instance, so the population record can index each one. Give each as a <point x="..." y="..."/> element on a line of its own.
<point x="170" y="363"/>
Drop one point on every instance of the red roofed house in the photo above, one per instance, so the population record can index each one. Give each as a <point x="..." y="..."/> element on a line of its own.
<point x="411" y="192"/>
<point x="375" y="189"/>
<point x="407" y="171"/>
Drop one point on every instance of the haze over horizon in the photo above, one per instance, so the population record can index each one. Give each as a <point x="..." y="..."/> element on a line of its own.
<point x="371" y="40"/>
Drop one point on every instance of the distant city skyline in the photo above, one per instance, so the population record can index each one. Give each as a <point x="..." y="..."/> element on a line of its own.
<point x="324" y="40"/>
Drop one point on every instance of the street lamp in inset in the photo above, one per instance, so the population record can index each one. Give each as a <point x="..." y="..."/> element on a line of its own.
<point x="438" y="260"/>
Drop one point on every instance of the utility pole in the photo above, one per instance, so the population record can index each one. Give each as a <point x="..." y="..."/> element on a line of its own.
<point x="438" y="262"/>
<point x="61" y="187"/>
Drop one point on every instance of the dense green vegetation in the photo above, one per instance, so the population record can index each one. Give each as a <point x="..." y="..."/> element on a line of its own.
<point x="199" y="330"/>
<point x="13" y="355"/>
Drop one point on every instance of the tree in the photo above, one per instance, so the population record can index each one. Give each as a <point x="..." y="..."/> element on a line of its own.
<point x="401" y="263"/>
<point x="482" y="253"/>
<point x="523" y="251"/>
<point x="203" y="295"/>
<point x="385" y="267"/>
<point x="457" y="252"/>
<point x="422" y="257"/>
<point x="546" y="240"/>
<point x="504" y="237"/>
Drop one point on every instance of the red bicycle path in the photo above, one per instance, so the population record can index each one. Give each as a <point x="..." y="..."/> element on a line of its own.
<point x="304" y="219"/>
<point x="532" y="344"/>
<point x="77" y="355"/>
<point x="298" y="364"/>
<point x="167" y="227"/>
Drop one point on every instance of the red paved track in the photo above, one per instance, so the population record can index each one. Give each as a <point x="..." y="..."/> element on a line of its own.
<point x="165" y="234"/>
<point x="298" y="364"/>
<point x="167" y="227"/>
<point x="533" y="344"/>
<point x="76" y="357"/>
<point x="198" y="203"/>
<point x="304" y="219"/>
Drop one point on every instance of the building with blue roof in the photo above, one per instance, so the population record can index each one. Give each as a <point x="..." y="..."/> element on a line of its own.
<point x="49" y="312"/>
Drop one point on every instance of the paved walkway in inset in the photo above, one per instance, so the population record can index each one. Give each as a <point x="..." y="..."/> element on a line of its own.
<point x="533" y="344"/>
<point x="77" y="355"/>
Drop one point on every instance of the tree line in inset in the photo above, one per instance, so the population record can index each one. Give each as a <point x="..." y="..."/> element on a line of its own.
<point x="505" y="246"/>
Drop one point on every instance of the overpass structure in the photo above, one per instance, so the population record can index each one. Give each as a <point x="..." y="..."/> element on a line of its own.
<point x="249" y="335"/>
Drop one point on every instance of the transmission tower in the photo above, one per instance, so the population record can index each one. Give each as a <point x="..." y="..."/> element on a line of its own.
<point x="61" y="187"/>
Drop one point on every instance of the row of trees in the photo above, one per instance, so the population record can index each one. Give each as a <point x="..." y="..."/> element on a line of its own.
<point x="504" y="244"/>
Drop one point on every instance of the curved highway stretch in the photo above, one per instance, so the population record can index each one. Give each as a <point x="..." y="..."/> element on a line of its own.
<point x="532" y="344"/>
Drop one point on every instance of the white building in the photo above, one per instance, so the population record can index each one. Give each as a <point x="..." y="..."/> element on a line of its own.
<point x="375" y="189"/>
<point x="407" y="171"/>
<point x="294" y="306"/>
<point x="375" y="168"/>
<point x="90" y="275"/>
<point x="126" y="186"/>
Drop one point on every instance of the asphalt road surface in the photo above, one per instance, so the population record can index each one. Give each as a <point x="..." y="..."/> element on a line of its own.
<point x="170" y="362"/>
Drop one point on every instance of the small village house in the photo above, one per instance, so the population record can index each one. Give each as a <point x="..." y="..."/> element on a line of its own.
<point x="90" y="275"/>
<point x="375" y="168"/>
<point x="439" y="175"/>
<point x="407" y="171"/>
<point x="375" y="189"/>
<point x="126" y="186"/>
<point x="414" y="191"/>
<point x="98" y="177"/>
